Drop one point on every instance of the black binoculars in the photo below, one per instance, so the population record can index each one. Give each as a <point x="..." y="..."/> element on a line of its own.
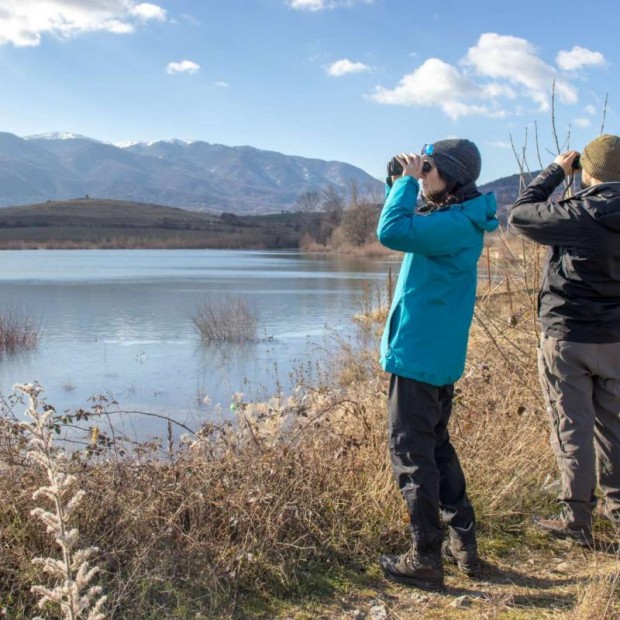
<point x="395" y="168"/>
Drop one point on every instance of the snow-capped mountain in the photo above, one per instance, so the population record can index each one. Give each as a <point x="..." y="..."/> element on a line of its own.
<point x="182" y="173"/>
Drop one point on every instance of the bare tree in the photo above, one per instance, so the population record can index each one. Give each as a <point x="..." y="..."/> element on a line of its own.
<point x="360" y="223"/>
<point x="354" y="192"/>
<point x="308" y="206"/>
<point x="333" y="204"/>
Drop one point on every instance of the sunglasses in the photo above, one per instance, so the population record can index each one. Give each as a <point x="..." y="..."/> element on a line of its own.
<point x="427" y="149"/>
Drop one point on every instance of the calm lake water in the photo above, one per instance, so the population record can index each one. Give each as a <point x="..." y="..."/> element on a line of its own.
<point x="118" y="323"/>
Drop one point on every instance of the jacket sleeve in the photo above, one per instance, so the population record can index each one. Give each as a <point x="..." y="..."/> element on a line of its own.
<point x="400" y="228"/>
<point x="543" y="220"/>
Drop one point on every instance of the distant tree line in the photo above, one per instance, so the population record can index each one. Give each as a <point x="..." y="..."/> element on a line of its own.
<point x="335" y="217"/>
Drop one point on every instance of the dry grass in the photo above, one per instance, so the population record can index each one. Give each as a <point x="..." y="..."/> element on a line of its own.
<point x="283" y="514"/>
<point x="19" y="330"/>
<point x="233" y="319"/>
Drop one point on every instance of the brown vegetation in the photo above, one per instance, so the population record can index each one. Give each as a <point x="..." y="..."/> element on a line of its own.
<point x="343" y="221"/>
<point x="19" y="330"/>
<point x="232" y="319"/>
<point x="284" y="513"/>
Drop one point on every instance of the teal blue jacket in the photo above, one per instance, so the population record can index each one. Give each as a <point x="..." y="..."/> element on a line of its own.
<point x="426" y="334"/>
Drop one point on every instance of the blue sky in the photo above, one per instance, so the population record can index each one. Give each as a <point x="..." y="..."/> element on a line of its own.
<point x="348" y="80"/>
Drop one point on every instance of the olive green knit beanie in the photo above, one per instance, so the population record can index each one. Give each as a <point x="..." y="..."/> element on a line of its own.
<point x="601" y="158"/>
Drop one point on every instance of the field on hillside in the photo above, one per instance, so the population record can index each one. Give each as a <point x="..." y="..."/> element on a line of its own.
<point x="91" y="223"/>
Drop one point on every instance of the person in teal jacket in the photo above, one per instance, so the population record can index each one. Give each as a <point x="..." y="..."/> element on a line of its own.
<point x="424" y="347"/>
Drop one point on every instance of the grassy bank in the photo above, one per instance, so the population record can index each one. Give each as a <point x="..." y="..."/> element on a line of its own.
<point x="283" y="514"/>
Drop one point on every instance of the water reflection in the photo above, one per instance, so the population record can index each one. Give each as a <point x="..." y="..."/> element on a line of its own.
<point x="119" y="323"/>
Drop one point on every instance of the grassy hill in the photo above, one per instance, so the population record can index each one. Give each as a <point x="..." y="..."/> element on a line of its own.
<point x="87" y="223"/>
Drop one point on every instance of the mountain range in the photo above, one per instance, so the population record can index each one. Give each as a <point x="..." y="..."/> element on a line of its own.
<point x="193" y="175"/>
<point x="189" y="174"/>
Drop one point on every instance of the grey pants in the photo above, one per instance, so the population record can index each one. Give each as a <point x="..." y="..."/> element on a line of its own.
<point x="425" y="465"/>
<point x="581" y="386"/>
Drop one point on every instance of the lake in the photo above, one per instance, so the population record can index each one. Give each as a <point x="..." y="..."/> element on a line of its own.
<point x="118" y="323"/>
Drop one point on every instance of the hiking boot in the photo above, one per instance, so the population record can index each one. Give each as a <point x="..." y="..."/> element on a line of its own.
<point x="464" y="556"/>
<point x="561" y="528"/>
<point x="422" y="570"/>
<point x="460" y="548"/>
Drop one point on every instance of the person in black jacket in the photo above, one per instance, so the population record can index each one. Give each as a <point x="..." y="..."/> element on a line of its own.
<point x="579" y="311"/>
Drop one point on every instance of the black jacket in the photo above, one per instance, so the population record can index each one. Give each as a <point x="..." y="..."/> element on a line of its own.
<point x="579" y="298"/>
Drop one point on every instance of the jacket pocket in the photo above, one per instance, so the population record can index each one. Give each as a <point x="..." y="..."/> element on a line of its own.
<point x="394" y="322"/>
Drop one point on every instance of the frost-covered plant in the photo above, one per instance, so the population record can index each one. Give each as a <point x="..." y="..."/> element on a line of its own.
<point x="73" y="593"/>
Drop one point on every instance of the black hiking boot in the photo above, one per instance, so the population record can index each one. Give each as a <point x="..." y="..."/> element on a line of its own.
<point x="460" y="548"/>
<point x="422" y="570"/>
<point x="559" y="527"/>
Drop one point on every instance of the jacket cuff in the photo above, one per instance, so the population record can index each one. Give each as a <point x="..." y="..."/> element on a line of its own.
<point x="554" y="173"/>
<point x="405" y="179"/>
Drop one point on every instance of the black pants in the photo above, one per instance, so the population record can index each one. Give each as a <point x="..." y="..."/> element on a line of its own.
<point x="425" y="464"/>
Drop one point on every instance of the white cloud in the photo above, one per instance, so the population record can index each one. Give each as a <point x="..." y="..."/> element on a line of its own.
<point x="345" y="66"/>
<point x="582" y="121"/>
<point x="579" y="57"/>
<point x="437" y="83"/>
<point x="496" y="69"/>
<point x="494" y="89"/>
<point x="590" y="109"/>
<point x="23" y="22"/>
<point x="309" y="5"/>
<point x="221" y="84"/>
<point x="146" y="11"/>
<point x="185" y="66"/>
<point x="320" y="5"/>
<point x="516" y="60"/>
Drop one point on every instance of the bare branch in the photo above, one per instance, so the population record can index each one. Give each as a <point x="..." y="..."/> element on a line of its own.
<point x="522" y="183"/>
<point x="538" y="145"/>
<point x="604" y="113"/>
<point x="553" y="125"/>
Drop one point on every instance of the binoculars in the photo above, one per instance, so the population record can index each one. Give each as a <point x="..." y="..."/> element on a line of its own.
<point x="395" y="168"/>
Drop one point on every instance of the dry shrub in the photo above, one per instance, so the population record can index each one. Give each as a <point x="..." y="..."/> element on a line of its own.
<point x="307" y="243"/>
<point x="232" y="319"/>
<point x="501" y="427"/>
<point x="19" y="330"/>
<point x="246" y="508"/>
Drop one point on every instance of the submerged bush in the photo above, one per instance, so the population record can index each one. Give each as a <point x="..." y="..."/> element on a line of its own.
<point x="19" y="330"/>
<point x="231" y="320"/>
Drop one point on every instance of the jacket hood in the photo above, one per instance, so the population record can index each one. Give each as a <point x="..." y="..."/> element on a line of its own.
<point x="602" y="202"/>
<point x="481" y="211"/>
